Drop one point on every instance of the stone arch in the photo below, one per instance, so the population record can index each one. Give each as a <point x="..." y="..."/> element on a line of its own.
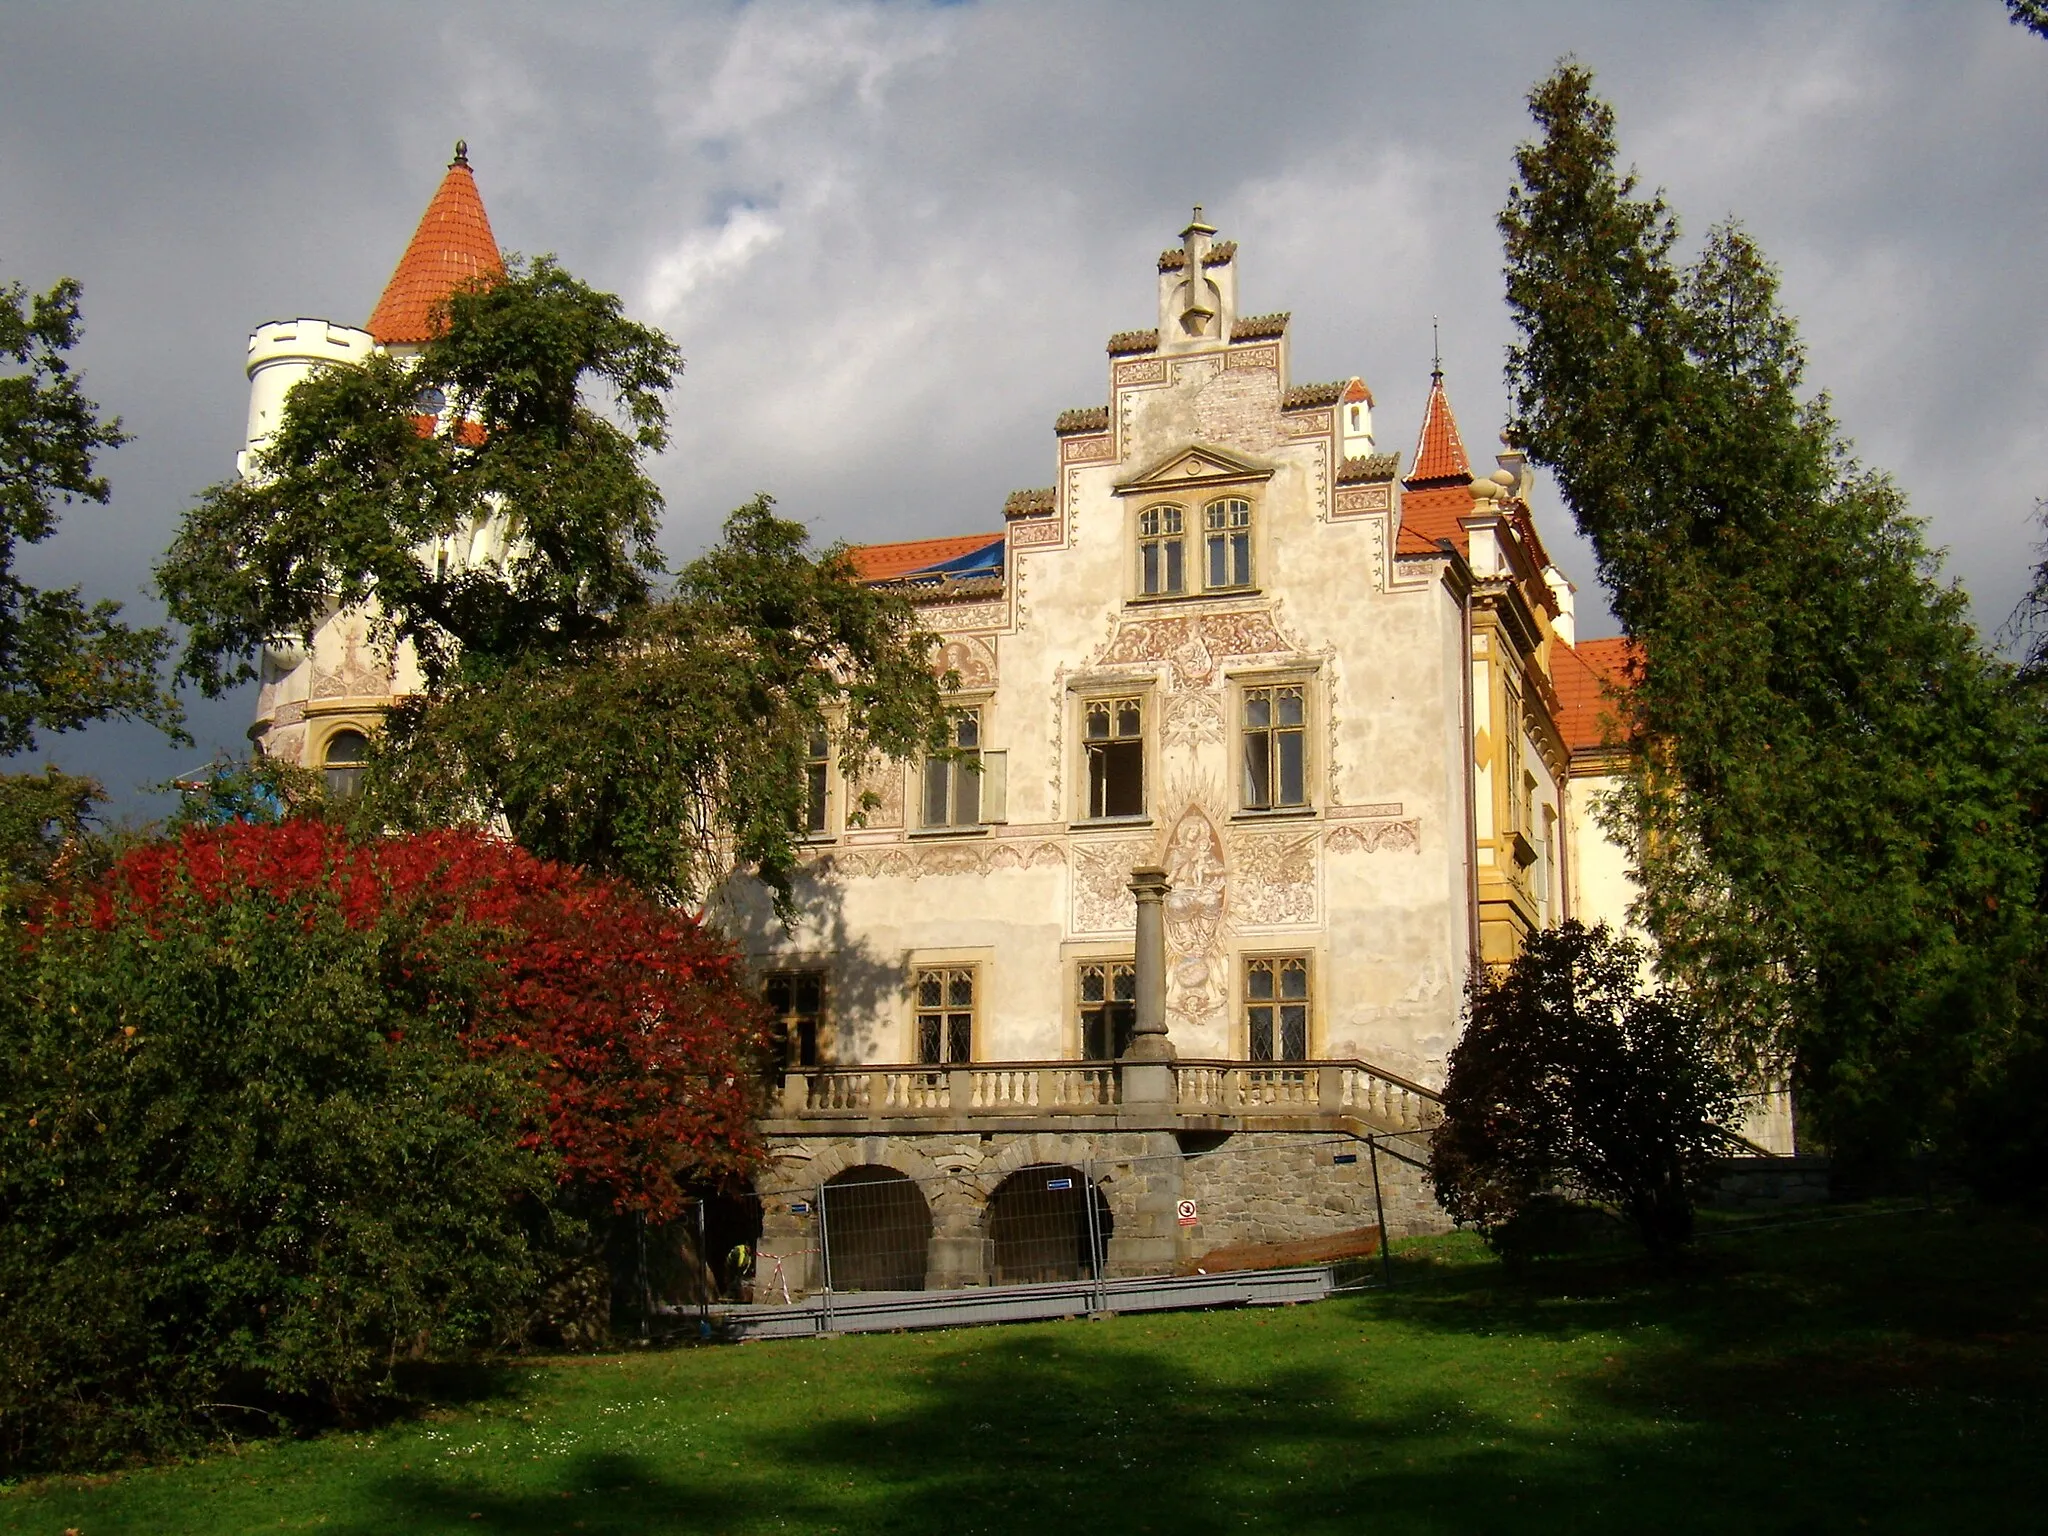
<point x="1039" y="1226"/>
<point x="824" y="1159"/>
<point x="877" y="1229"/>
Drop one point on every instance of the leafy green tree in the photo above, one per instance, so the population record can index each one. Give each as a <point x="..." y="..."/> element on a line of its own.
<point x="1835" y="791"/>
<point x="44" y="818"/>
<point x="63" y="664"/>
<point x="281" y="1109"/>
<point x="356" y="491"/>
<point x="2031" y="14"/>
<point x="658" y="736"/>
<point x="665" y="750"/>
<point x="1570" y="1077"/>
<point x="248" y="1168"/>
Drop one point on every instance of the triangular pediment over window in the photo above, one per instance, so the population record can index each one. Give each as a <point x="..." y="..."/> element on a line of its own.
<point x="1197" y="465"/>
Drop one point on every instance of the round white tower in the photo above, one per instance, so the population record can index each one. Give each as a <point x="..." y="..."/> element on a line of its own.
<point x="282" y="353"/>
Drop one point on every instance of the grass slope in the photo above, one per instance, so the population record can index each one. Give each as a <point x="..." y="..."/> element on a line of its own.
<point x="1884" y="1372"/>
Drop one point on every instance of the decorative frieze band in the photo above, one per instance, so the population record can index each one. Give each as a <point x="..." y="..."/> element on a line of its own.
<point x="1357" y="501"/>
<point x="1375" y="837"/>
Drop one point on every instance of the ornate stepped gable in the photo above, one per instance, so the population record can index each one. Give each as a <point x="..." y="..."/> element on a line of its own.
<point x="1369" y="469"/>
<point x="1175" y="259"/>
<point x="1303" y="397"/>
<point x="1259" y="327"/>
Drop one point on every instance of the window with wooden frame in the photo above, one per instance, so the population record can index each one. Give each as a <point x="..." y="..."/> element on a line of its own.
<point x="797" y="999"/>
<point x="1162" y="551"/>
<point x="952" y="785"/>
<point x="817" y="785"/>
<point x="342" y="762"/>
<point x="1113" y="736"/>
<point x="1276" y="1007"/>
<point x="1273" y="746"/>
<point x="1227" y="544"/>
<point x="944" y="999"/>
<point x="1108" y="1001"/>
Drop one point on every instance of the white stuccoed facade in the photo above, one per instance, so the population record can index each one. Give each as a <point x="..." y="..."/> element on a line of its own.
<point x="1435" y="819"/>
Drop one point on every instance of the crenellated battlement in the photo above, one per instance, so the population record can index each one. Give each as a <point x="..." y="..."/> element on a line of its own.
<point x="281" y="353"/>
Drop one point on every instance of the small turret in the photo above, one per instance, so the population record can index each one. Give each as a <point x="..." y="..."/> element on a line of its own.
<point x="280" y="354"/>
<point x="1355" y="420"/>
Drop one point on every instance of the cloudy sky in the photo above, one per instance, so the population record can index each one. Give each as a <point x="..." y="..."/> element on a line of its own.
<point x="891" y="239"/>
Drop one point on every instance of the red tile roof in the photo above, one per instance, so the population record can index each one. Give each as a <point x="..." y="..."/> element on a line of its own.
<point x="1587" y="678"/>
<point x="881" y="562"/>
<point x="452" y="245"/>
<point x="1431" y="514"/>
<point x="1439" y="452"/>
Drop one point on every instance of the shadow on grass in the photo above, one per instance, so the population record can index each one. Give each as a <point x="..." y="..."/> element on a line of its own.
<point x="603" y="1491"/>
<point x="1846" y="1383"/>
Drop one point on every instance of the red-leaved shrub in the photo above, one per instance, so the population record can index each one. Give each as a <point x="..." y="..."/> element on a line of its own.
<point x="631" y="1017"/>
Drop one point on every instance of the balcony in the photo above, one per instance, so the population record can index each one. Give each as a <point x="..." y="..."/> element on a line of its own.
<point x="1070" y="1095"/>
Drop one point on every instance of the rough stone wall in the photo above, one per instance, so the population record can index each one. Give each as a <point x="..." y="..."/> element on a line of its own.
<point x="1278" y="1187"/>
<point x="1258" y="1187"/>
<point x="1768" y="1183"/>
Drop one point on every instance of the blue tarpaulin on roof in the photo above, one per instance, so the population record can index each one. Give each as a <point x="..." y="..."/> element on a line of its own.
<point x="985" y="561"/>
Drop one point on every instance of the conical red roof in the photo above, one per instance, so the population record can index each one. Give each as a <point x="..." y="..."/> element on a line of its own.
<point x="452" y="245"/>
<point x="1439" y="452"/>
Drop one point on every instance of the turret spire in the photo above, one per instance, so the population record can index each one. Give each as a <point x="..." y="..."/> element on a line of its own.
<point x="452" y="245"/>
<point x="1439" y="451"/>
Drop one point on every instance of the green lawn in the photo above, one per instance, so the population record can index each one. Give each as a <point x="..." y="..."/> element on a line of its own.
<point x="1881" y="1372"/>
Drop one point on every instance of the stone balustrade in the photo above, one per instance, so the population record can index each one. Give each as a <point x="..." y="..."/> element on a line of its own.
<point x="1226" y="1092"/>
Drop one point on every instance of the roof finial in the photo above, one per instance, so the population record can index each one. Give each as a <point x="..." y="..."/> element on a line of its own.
<point x="1436" y="354"/>
<point x="461" y="154"/>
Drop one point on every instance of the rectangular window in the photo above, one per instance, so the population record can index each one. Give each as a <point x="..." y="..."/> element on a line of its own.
<point x="1162" y="552"/>
<point x="952" y="787"/>
<point x="797" y="999"/>
<point x="817" y="765"/>
<point x="1275" y="741"/>
<point x="1511" y="774"/>
<point x="945" y="1014"/>
<point x="1109" y="1008"/>
<point x="1227" y="527"/>
<point x="1276" y="1007"/>
<point x="1113" y="731"/>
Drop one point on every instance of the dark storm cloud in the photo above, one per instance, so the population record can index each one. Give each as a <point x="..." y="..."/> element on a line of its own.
<point x="892" y="239"/>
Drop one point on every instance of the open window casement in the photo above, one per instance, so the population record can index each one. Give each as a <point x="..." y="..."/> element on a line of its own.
<point x="995" y="786"/>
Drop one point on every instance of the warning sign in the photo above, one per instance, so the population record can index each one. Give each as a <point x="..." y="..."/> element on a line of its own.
<point x="1189" y="1216"/>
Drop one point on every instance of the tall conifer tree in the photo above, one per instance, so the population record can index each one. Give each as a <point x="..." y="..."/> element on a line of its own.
<point x="1834" y="798"/>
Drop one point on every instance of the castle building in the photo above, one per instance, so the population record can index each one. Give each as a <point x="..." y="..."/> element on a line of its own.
<point x="317" y="706"/>
<point x="1264" y="745"/>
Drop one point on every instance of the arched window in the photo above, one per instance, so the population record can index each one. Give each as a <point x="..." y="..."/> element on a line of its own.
<point x="1227" y="542"/>
<point x="1162" y="551"/>
<point x="347" y="753"/>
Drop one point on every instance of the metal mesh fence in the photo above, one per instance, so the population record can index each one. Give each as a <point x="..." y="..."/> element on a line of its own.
<point x="1109" y="1213"/>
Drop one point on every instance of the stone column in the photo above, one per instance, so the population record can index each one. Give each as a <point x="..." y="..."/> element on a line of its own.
<point x="1147" y="1065"/>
